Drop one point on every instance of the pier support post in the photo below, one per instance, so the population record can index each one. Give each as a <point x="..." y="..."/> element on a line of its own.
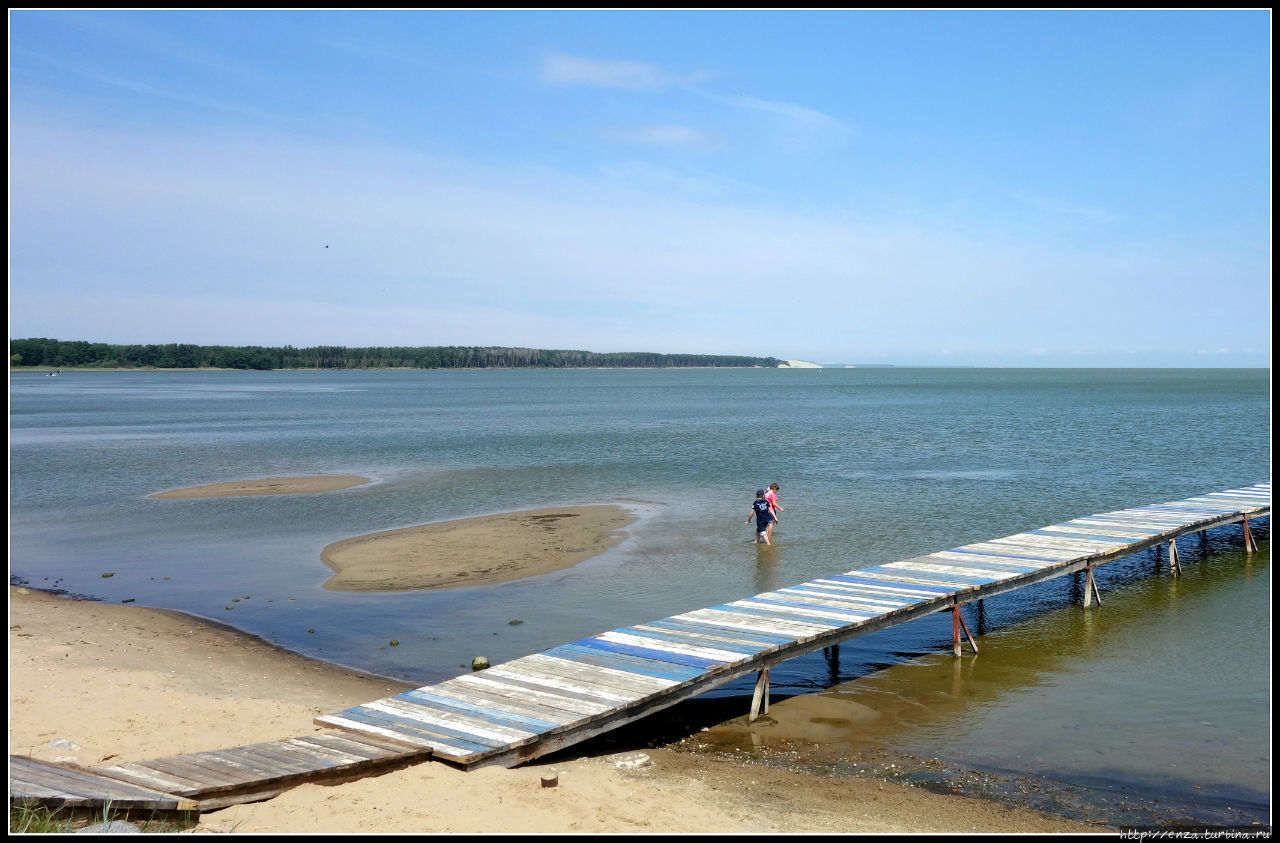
<point x="760" y="699"/>
<point x="1091" y="592"/>
<point x="1250" y="543"/>
<point x="1174" y="567"/>
<point x="957" y="622"/>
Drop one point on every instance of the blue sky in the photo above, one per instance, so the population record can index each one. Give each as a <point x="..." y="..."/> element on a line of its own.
<point x="920" y="188"/>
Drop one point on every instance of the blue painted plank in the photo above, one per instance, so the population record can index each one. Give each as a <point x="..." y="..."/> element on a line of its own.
<point x="932" y="589"/>
<point x="694" y="641"/>
<point x="853" y="615"/>
<point x="995" y="563"/>
<point x="779" y="615"/>
<point x="1112" y="524"/>
<point x="1010" y="556"/>
<point x="376" y="718"/>
<point x="855" y="599"/>
<point x="498" y="717"/>
<point x="932" y="576"/>
<point x="763" y="638"/>
<point x="410" y="725"/>
<point x="1071" y="533"/>
<point x="621" y="661"/>
<point x="646" y="653"/>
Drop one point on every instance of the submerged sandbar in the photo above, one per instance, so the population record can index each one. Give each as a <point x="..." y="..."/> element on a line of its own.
<point x="475" y="551"/>
<point x="309" y="485"/>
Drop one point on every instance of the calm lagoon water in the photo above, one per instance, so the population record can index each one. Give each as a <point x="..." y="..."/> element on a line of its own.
<point x="1164" y="692"/>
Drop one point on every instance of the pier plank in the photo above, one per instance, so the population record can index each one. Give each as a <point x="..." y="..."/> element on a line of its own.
<point x="552" y="698"/>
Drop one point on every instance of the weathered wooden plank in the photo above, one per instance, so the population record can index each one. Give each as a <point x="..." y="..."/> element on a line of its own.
<point x="1101" y="528"/>
<point x="1081" y="533"/>
<point x="440" y="740"/>
<point x="728" y="617"/>
<point x="945" y="585"/>
<point x="357" y="721"/>
<point x="981" y="561"/>
<point x="350" y="747"/>
<point x="764" y="608"/>
<point x="1077" y="546"/>
<point x="334" y="756"/>
<point x="134" y="774"/>
<point x="601" y="680"/>
<point x="568" y="701"/>
<point x="759" y="614"/>
<point x="287" y="760"/>
<point x="371" y="742"/>
<point x="678" y="644"/>
<point x="535" y="675"/>
<point x="765" y="640"/>
<point x="842" y="603"/>
<point x="873" y="579"/>
<point x="438" y="720"/>
<point x="488" y="714"/>
<point x="30" y="794"/>
<point x="522" y="707"/>
<point x="1019" y="550"/>
<point x="201" y="777"/>
<point x="32" y="788"/>
<point x="792" y="604"/>
<point x="623" y="661"/>
<point x="856" y="594"/>
<point x="617" y="642"/>
<point x="33" y="782"/>
<point x="242" y="768"/>
<point x="955" y="572"/>
<point x="846" y="600"/>
<point x="657" y="633"/>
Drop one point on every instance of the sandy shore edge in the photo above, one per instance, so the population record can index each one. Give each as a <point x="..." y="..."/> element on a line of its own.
<point x="97" y="683"/>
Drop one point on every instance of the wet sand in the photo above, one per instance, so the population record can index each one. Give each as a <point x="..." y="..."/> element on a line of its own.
<point x="113" y="683"/>
<point x="475" y="551"/>
<point x="309" y="485"/>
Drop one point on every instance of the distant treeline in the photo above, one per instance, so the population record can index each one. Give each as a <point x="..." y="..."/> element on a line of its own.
<point x="97" y="355"/>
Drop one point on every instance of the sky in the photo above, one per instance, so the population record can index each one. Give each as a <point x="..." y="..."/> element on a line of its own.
<point x="926" y="188"/>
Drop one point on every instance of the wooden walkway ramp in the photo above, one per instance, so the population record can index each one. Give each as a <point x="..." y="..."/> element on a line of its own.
<point x="526" y="708"/>
<point x="204" y="781"/>
<point x="537" y="704"/>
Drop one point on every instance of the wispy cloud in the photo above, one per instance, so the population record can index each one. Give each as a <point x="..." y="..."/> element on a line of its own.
<point x="1065" y="209"/>
<point x="793" y="127"/>
<point x="671" y="135"/>
<point x="573" y="261"/>
<point x="562" y="69"/>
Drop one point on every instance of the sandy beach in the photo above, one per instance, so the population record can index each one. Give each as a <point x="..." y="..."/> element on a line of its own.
<point x="94" y="683"/>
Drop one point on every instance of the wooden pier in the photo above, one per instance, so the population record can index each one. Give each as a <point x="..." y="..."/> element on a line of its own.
<point x="526" y="708"/>
<point x="523" y="709"/>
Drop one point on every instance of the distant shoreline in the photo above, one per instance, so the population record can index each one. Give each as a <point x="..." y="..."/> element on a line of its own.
<point x="42" y="370"/>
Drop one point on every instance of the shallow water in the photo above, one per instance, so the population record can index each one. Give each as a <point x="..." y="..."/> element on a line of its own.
<point x="875" y="465"/>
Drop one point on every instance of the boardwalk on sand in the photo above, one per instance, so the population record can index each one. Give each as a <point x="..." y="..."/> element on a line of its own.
<point x="537" y="704"/>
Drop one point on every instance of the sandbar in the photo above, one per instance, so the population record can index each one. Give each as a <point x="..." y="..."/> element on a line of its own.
<point x="475" y="551"/>
<point x="308" y="485"/>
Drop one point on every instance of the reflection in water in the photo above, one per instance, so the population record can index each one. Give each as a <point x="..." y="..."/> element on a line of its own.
<point x="1087" y="700"/>
<point x="832" y="655"/>
<point x="767" y="568"/>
